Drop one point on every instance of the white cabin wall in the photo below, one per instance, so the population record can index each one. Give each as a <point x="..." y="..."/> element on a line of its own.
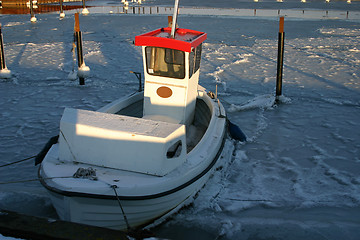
<point x="180" y="106"/>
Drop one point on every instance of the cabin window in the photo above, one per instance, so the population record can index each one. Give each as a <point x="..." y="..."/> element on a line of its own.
<point x="165" y="62"/>
<point x="194" y="61"/>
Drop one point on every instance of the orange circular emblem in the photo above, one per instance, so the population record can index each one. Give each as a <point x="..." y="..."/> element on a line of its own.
<point x="164" y="92"/>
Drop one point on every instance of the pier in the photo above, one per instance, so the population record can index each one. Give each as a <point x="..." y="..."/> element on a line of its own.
<point x="30" y="227"/>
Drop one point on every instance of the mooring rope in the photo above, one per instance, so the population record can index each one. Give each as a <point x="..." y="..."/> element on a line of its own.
<point x="33" y="180"/>
<point x="23" y="160"/>
<point x="122" y="210"/>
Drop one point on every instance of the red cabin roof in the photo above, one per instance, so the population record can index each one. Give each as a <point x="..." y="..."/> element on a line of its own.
<point x="184" y="40"/>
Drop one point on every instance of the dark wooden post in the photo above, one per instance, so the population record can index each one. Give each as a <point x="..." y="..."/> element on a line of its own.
<point x="33" y="18"/>
<point x="2" y="55"/>
<point x="78" y="40"/>
<point x="280" y="58"/>
<point x="62" y="14"/>
<point x="85" y="11"/>
<point x="4" y="72"/>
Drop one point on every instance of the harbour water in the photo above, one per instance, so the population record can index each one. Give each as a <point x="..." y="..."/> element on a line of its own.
<point x="296" y="177"/>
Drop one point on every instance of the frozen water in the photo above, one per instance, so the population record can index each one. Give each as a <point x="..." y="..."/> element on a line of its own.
<point x="297" y="177"/>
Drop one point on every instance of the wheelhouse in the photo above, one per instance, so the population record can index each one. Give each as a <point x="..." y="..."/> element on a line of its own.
<point x="171" y="69"/>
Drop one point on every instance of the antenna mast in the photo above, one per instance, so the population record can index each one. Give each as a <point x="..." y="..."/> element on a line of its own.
<point x="176" y="10"/>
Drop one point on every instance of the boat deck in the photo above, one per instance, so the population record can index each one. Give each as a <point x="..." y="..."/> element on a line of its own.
<point x="194" y="132"/>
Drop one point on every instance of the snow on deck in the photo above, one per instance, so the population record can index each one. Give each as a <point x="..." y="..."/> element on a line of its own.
<point x="119" y="123"/>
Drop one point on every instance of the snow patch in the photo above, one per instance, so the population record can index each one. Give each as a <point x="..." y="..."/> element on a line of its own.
<point x="83" y="71"/>
<point x="263" y="102"/>
<point x="5" y="73"/>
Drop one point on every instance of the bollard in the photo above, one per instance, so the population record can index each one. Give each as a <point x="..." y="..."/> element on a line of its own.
<point x="62" y="14"/>
<point x="83" y="70"/>
<point x="280" y="59"/>
<point x="4" y="72"/>
<point x="33" y="18"/>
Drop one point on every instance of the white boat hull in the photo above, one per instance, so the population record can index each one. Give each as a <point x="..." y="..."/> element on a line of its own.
<point x="107" y="212"/>
<point x="144" y="198"/>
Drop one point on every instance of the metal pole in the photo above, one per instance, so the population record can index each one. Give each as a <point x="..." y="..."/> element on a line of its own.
<point x="138" y="75"/>
<point x="173" y="27"/>
<point x="280" y="58"/>
<point x="77" y="35"/>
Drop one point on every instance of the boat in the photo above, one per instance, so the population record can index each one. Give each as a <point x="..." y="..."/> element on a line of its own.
<point x="146" y="155"/>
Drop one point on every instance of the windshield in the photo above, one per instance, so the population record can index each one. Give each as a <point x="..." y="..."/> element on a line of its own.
<point x="165" y="62"/>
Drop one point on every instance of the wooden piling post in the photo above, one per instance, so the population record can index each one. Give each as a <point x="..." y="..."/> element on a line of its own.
<point x="170" y="19"/>
<point x="33" y="18"/>
<point x="31" y="227"/>
<point x="280" y="58"/>
<point x="78" y="40"/>
<point x="85" y="11"/>
<point x="4" y="72"/>
<point x="2" y="55"/>
<point x="62" y="14"/>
